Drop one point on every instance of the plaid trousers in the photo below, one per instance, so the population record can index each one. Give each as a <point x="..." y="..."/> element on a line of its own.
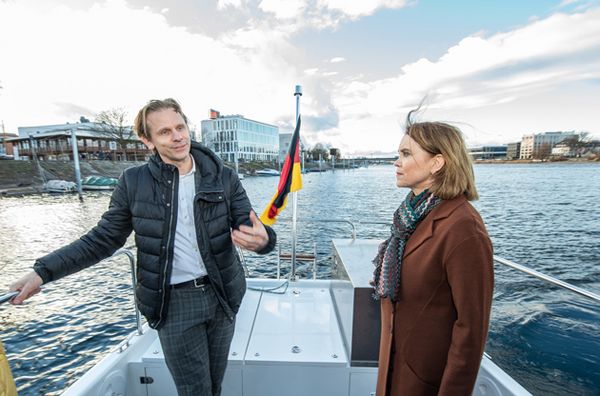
<point x="195" y="340"/>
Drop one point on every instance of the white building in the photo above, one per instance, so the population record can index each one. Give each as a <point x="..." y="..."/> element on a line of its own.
<point x="538" y="144"/>
<point x="233" y="135"/>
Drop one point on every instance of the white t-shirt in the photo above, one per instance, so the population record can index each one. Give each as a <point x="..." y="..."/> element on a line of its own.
<point x="187" y="262"/>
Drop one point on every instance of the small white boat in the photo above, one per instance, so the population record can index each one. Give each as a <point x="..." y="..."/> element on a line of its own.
<point x="267" y="172"/>
<point x="240" y="176"/>
<point x="60" y="186"/>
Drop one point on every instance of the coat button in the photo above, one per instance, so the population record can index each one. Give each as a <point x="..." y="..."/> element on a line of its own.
<point x="168" y="204"/>
<point x="169" y="181"/>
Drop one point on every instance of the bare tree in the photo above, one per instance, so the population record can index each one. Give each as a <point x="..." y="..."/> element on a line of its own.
<point x="318" y="149"/>
<point x="543" y="152"/>
<point x="113" y="123"/>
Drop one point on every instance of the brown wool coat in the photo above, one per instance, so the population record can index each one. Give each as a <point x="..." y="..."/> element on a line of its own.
<point x="432" y="339"/>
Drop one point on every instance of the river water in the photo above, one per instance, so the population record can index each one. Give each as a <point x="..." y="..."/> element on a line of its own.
<point x="545" y="216"/>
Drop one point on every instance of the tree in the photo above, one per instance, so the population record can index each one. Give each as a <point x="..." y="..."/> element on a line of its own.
<point x="318" y="149"/>
<point x="113" y="123"/>
<point x="543" y="152"/>
<point x="335" y="152"/>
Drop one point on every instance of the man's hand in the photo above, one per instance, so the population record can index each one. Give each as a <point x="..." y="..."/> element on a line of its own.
<point x="253" y="238"/>
<point x="28" y="286"/>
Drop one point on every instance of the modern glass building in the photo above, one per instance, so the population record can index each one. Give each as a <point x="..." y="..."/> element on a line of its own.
<point x="233" y="135"/>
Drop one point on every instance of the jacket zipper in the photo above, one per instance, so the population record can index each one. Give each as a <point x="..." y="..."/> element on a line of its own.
<point x="207" y="248"/>
<point x="164" y="290"/>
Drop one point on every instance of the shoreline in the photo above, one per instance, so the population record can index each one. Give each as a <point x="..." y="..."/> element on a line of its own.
<point x="22" y="182"/>
<point x="537" y="162"/>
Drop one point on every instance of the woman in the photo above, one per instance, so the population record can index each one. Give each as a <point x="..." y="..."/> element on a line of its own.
<point x="434" y="274"/>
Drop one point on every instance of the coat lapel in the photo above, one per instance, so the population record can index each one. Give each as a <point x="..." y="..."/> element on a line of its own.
<point x="424" y="230"/>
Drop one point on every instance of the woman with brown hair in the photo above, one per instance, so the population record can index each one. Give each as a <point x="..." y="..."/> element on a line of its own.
<point x="434" y="274"/>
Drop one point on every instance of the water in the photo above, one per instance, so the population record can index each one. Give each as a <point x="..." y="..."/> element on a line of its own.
<point x="544" y="216"/>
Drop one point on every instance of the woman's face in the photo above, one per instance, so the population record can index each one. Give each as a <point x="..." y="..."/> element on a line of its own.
<point x="414" y="167"/>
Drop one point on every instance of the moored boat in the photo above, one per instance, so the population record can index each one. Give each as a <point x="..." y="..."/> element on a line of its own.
<point x="60" y="186"/>
<point x="267" y="172"/>
<point x="99" y="183"/>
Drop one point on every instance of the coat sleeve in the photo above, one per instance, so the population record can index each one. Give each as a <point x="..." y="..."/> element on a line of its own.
<point x="240" y="212"/>
<point x="469" y="268"/>
<point x="100" y="242"/>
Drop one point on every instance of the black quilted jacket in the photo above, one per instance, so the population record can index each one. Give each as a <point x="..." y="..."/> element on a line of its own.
<point x="145" y="201"/>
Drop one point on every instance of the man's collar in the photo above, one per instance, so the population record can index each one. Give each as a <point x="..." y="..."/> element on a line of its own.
<point x="193" y="170"/>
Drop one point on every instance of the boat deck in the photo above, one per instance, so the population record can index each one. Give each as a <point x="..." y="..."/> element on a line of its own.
<point x="310" y="337"/>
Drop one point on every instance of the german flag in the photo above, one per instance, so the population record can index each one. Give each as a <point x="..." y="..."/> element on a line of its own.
<point x="289" y="181"/>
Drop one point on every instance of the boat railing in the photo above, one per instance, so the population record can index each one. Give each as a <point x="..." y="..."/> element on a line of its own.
<point x="547" y="278"/>
<point x="121" y="252"/>
<point x="519" y="267"/>
<point x="129" y="254"/>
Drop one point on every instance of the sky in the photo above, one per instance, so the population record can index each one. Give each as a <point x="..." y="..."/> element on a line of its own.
<point x="496" y="69"/>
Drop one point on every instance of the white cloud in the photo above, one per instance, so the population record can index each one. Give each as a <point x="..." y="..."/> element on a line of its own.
<point x="68" y="56"/>
<point x="478" y="69"/>
<point x="283" y="9"/>
<point x="60" y="61"/>
<point x="355" y="9"/>
<point x="224" y="4"/>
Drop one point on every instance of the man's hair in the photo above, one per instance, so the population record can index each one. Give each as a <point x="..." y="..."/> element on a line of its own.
<point x="456" y="177"/>
<point x="140" y="125"/>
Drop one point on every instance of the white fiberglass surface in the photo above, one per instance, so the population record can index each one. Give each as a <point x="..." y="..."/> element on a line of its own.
<point x="298" y="326"/>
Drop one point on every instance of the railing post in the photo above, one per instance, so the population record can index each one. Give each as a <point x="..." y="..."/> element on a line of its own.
<point x="131" y="257"/>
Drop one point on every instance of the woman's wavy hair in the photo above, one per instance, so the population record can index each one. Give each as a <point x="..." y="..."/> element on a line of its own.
<point x="139" y="124"/>
<point x="456" y="177"/>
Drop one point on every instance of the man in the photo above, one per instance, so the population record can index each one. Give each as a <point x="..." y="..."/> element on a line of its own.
<point x="187" y="211"/>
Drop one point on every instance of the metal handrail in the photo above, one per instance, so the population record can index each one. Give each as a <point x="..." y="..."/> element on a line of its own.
<point x="6" y="297"/>
<point x="508" y="263"/>
<point x="319" y="220"/>
<point x="131" y="257"/>
<point x="125" y="251"/>
<point x="548" y="278"/>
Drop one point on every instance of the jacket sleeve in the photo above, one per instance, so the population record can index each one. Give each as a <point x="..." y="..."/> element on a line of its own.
<point x="469" y="267"/>
<point x="100" y="242"/>
<point x="240" y="212"/>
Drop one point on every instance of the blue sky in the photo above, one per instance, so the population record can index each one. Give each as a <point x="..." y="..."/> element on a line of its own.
<point x="497" y="69"/>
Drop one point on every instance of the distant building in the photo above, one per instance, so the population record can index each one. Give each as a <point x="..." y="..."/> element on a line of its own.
<point x="284" y="144"/>
<point x="539" y="145"/>
<point x="563" y="150"/>
<point x="53" y="142"/>
<point x="234" y="136"/>
<point x="6" y="145"/>
<point x="513" y="150"/>
<point x="488" y="152"/>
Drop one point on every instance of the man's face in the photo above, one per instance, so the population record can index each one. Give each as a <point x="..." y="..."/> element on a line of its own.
<point x="169" y="135"/>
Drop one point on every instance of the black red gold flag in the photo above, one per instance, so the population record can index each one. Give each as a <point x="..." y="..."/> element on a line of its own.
<point x="290" y="180"/>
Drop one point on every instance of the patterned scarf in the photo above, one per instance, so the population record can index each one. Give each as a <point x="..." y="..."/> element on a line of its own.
<point x="388" y="262"/>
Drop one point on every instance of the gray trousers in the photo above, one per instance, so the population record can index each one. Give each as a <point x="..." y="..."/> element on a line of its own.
<point x="195" y="340"/>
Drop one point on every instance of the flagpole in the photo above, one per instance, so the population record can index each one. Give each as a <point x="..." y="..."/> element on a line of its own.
<point x="297" y="94"/>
